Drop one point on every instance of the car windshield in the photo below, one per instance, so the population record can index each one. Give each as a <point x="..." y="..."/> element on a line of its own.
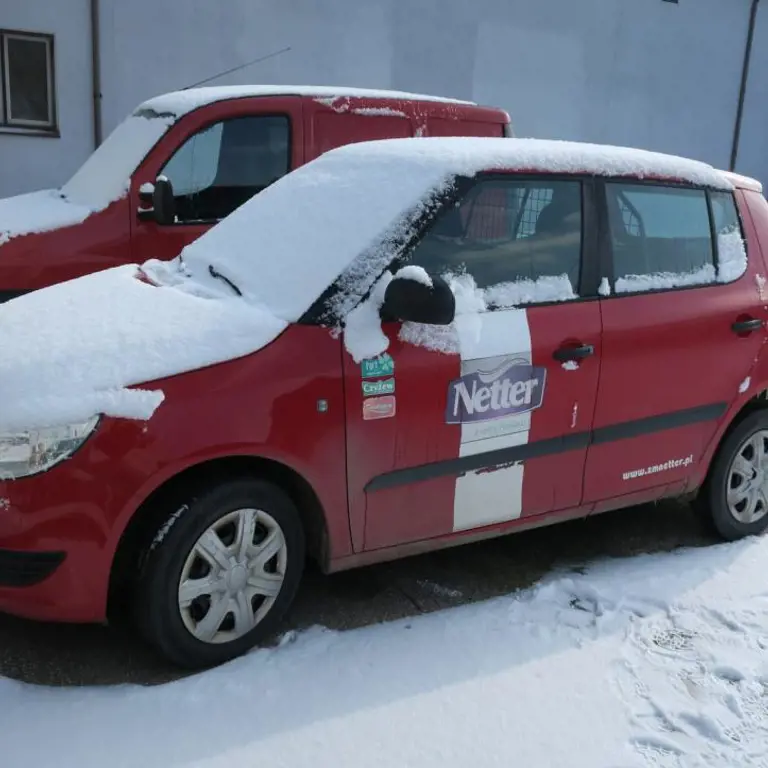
<point x="287" y="244"/>
<point x="105" y="175"/>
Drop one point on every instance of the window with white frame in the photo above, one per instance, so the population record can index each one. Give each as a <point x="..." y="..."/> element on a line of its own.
<point x="27" y="81"/>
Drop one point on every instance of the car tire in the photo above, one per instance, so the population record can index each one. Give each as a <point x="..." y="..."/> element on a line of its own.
<point x="204" y="594"/>
<point x="727" y="495"/>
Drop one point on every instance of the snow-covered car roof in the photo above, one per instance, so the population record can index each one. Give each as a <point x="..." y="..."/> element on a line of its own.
<point x="317" y="220"/>
<point x="178" y="103"/>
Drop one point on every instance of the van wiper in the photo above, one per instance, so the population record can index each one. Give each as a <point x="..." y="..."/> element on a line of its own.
<point x="215" y="273"/>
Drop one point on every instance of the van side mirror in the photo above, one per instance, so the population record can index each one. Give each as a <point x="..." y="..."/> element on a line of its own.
<point x="163" y="204"/>
<point x="411" y="300"/>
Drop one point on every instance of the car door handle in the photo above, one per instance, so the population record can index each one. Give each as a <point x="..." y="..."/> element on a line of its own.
<point x="747" y="326"/>
<point x="564" y="354"/>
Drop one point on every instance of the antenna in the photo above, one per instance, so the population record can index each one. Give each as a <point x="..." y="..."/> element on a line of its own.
<point x="239" y="67"/>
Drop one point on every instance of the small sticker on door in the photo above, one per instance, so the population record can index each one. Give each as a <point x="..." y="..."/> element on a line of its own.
<point x="383" y="365"/>
<point x="379" y="408"/>
<point x="382" y="387"/>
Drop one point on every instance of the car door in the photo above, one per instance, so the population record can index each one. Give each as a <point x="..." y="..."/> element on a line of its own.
<point x="485" y="421"/>
<point x="216" y="161"/>
<point x="673" y="355"/>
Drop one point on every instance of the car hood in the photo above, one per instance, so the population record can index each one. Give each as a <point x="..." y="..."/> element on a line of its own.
<point x="38" y="212"/>
<point x="78" y="348"/>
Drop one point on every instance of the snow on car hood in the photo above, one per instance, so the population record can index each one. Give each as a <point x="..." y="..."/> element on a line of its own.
<point x="38" y="212"/>
<point x="102" y="179"/>
<point x="71" y="351"/>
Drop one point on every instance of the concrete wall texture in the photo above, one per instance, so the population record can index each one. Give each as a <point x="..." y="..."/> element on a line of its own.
<point x="649" y="73"/>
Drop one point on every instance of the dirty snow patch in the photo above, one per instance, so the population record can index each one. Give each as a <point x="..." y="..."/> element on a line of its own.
<point x="570" y="365"/>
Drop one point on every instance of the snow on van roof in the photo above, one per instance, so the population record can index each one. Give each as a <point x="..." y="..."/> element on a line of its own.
<point x="179" y="103"/>
<point x="317" y="220"/>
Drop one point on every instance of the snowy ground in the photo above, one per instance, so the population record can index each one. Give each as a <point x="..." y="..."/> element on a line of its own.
<point x="658" y="660"/>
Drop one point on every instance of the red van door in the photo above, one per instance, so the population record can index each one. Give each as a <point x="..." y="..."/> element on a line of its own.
<point x="486" y="421"/>
<point x="674" y="354"/>
<point x="216" y="158"/>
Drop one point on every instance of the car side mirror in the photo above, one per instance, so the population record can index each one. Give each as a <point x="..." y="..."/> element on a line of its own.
<point x="163" y="201"/>
<point x="412" y="300"/>
<point x="161" y="198"/>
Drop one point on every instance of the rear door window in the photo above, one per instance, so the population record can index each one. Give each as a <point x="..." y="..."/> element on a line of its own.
<point x="219" y="168"/>
<point x="661" y="237"/>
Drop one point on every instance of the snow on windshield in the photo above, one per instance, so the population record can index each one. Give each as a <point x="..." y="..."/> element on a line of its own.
<point x="106" y="174"/>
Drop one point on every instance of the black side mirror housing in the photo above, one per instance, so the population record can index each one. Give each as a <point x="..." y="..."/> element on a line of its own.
<point x="409" y="300"/>
<point x="164" y="202"/>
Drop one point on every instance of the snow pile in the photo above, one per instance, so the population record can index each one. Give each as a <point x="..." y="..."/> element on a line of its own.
<point x="650" y="662"/>
<point x="73" y="350"/>
<point x="180" y="103"/>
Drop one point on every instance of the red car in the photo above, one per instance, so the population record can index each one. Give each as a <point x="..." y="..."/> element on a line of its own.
<point x="183" y="161"/>
<point x="403" y="345"/>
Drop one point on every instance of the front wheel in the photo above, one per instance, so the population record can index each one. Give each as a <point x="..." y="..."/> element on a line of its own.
<point x="734" y="499"/>
<point x="221" y="573"/>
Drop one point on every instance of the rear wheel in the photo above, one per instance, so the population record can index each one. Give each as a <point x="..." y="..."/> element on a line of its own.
<point x="735" y="498"/>
<point x="221" y="573"/>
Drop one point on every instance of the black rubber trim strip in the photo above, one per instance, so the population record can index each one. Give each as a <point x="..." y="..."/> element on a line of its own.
<point x="8" y="295"/>
<point x="25" y="569"/>
<point x="628" y="429"/>
<point x="462" y="464"/>
<point x="658" y="423"/>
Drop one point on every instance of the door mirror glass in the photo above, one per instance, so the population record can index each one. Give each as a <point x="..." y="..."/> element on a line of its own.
<point x="414" y="300"/>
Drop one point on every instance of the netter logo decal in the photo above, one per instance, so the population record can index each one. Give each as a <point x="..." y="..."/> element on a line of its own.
<point x="512" y="387"/>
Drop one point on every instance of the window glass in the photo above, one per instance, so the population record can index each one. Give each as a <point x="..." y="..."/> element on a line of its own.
<point x="221" y="167"/>
<point x="724" y="213"/>
<point x="661" y="236"/>
<point x="26" y="67"/>
<point x="508" y="230"/>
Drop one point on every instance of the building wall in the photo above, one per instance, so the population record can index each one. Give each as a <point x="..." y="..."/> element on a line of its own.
<point x="33" y="162"/>
<point x="647" y="73"/>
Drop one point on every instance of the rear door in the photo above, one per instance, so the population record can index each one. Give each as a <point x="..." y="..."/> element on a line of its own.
<point x="216" y="158"/>
<point x="486" y="421"/>
<point x="674" y="356"/>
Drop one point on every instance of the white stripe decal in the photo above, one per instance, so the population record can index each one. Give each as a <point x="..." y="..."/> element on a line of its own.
<point x="489" y="345"/>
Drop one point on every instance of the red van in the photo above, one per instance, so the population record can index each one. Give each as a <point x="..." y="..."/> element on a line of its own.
<point x="213" y="148"/>
<point x="402" y="345"/>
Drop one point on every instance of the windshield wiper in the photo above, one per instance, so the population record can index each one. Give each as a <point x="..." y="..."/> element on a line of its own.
<point x="215" y="273"/>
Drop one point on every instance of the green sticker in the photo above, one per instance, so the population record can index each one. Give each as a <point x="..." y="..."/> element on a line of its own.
<point x="378" y="366"/>
<point x="383" y="387"/>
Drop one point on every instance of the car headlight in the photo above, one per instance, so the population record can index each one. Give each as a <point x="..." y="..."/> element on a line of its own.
<point x="36" y="450"/>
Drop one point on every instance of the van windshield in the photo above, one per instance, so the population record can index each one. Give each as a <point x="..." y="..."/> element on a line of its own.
<point x="104" y="177"/>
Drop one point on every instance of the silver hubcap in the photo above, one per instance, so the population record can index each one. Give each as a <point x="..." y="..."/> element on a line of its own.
<point x="232" y="576"/>
<point x="747" y="493"/>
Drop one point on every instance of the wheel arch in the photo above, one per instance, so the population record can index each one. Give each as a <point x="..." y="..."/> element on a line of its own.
<point x="163" y="500"/>
<point x="758" y="400"/>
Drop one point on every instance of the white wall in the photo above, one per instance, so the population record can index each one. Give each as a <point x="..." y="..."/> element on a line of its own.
<point x="642" y="72"/>
<point x="33" y="162"/>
